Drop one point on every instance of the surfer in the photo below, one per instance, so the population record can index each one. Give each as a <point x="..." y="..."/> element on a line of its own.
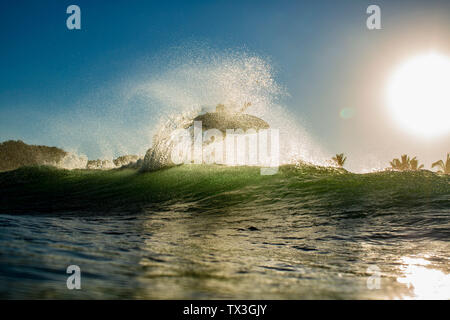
<point x="224" y="118"/>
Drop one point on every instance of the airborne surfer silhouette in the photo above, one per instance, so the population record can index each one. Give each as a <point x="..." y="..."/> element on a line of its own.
<point x="225" y="118"/>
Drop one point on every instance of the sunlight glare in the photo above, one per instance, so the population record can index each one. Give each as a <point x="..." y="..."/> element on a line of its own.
<point x="426" y="283"/>
<point x="419" y="95"/>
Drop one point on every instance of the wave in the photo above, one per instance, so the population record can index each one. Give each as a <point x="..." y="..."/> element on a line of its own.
<point x="204" y="188"/>
<point x="197" y="79"/>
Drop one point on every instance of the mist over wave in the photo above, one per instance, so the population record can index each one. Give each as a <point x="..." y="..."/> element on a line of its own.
<point x="194" y="83"/>
<point x="172" y="87"/>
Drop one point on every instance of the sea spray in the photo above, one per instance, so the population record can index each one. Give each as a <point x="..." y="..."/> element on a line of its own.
<point x="72" y="161"/>
<point x="140" y="109"/>
<point x="195" y="82"/>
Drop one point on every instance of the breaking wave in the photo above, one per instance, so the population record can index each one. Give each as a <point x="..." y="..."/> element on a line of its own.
<point x="195" y="83"/>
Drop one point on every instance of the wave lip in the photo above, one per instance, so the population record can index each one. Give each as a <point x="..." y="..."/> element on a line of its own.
<point x="202" y="188"/>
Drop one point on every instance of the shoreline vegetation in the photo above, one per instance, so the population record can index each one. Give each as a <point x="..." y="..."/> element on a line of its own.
<point x="15" y="154"/>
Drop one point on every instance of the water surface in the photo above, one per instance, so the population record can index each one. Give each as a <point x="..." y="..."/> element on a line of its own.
<point x="302" y="235"/>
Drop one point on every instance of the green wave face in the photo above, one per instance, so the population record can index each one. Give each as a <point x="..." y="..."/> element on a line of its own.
<point x="203" y="188"/>
<point x="216" y="232"/>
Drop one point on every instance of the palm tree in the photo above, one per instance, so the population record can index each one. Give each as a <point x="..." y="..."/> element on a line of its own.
<point x="339" y="160"/>
<point x="414" y="164"/>
<point x="443" y="167"/>
<point x="405" y="163"/>
<point x="402" y="164"/>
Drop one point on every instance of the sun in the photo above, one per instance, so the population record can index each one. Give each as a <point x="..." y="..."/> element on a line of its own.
<point x="418" y="95"/>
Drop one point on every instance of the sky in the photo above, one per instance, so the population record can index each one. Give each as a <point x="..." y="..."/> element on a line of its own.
<point x="76" y="89"/>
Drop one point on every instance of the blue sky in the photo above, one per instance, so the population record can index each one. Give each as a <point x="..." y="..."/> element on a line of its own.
<point x="321" y="52"/>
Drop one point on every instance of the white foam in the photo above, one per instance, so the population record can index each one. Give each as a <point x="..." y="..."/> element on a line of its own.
<point x="233" y="79"/>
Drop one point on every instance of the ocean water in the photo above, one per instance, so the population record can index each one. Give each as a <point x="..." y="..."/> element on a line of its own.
<point x="213" y="232"/>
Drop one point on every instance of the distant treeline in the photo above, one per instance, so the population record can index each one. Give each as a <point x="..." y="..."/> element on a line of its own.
<point x="15" y="154"/>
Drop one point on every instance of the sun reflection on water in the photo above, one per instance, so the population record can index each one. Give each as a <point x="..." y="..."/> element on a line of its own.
<point x="424" y="281"/>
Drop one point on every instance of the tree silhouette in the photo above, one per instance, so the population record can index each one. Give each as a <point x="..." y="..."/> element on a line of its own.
<point x="405" y="164"/>
<point x="443" y="167"/>
<point x="339" y="159"/>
